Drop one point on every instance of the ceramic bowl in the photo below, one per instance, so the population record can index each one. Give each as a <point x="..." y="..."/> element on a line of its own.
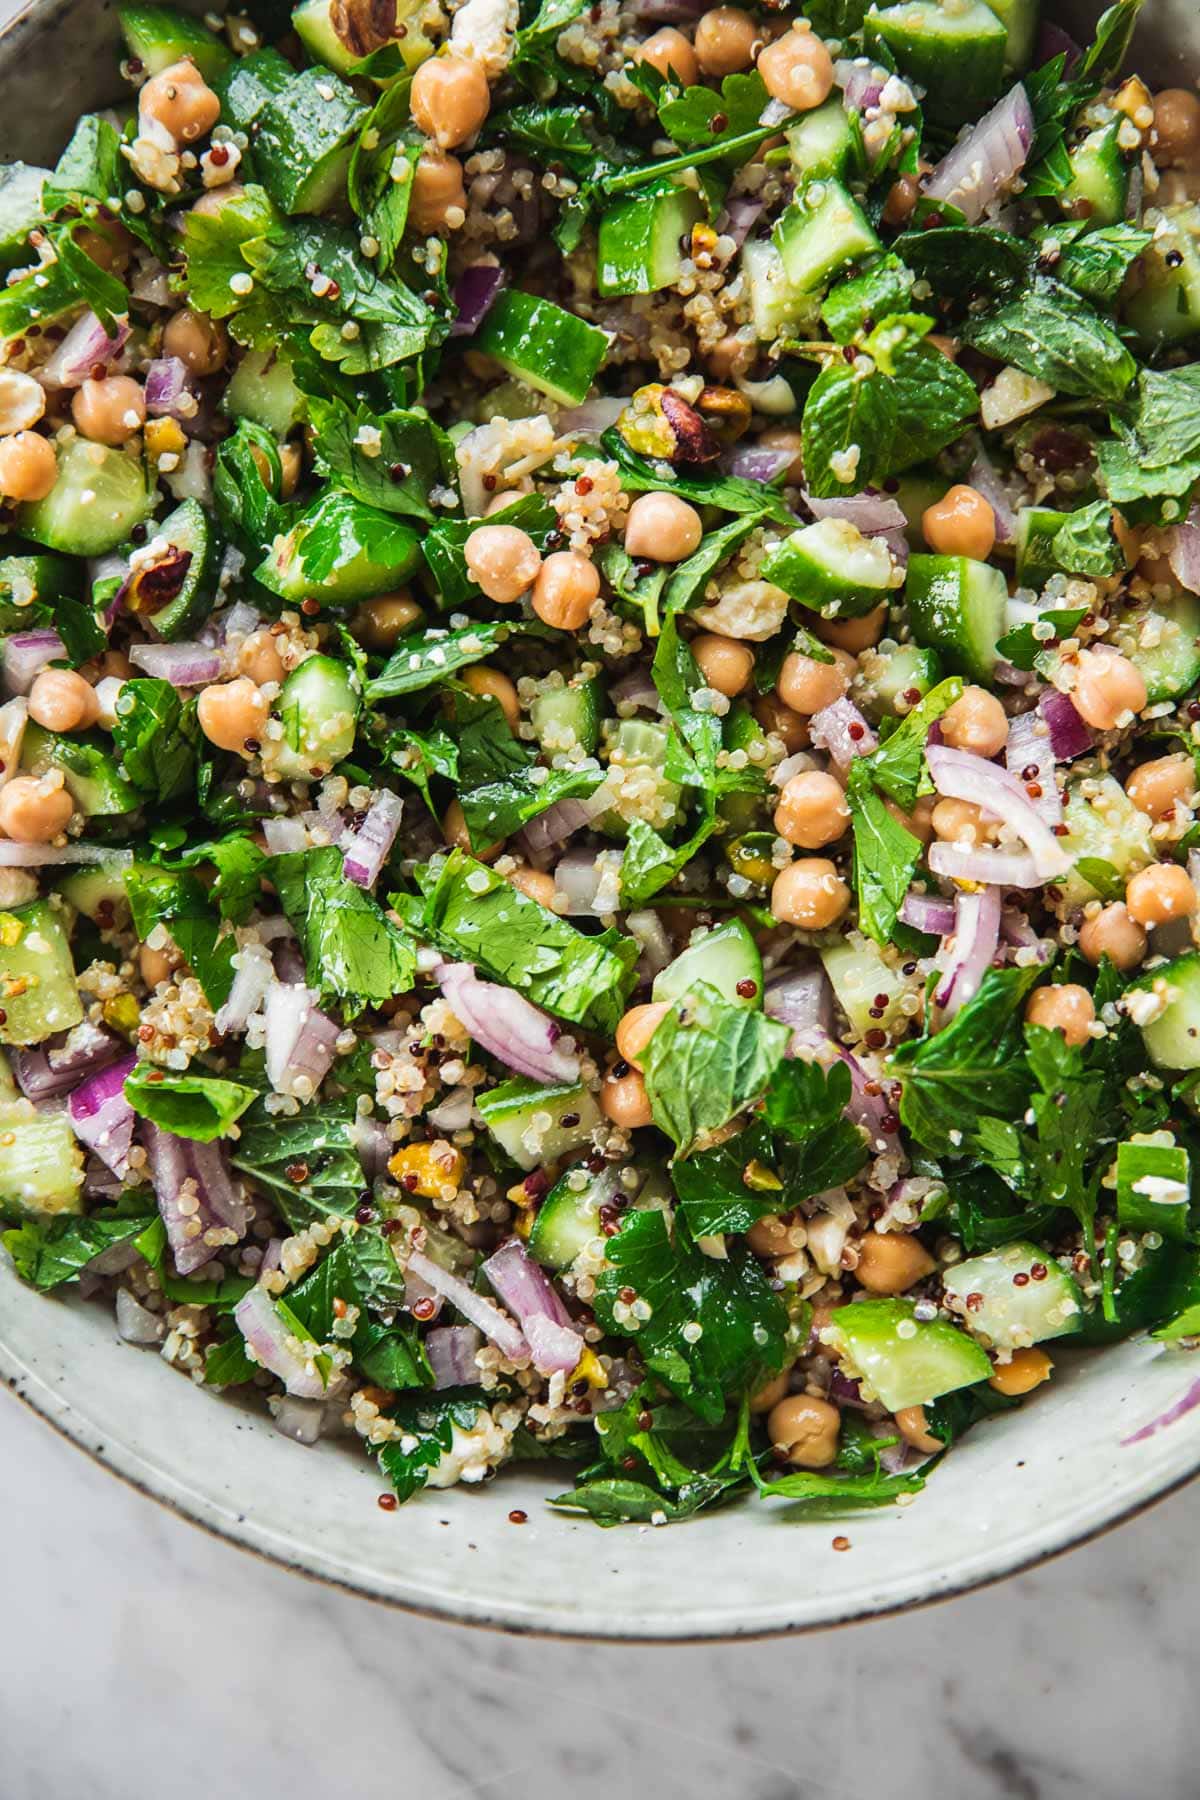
<point x="1018" y="1489"/>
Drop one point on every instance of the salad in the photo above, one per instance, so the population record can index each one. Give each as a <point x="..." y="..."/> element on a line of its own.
<point x="598" y="771"/>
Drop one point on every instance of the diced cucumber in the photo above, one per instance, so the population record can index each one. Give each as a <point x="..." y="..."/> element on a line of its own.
<point x="249" y="84"/>
<point x="1020" y="19"/>
<point x="1018" y="1296"/>
<point x="539" y="343"/>
<point x="98" y="891"/>
<point x="1154" y="1185"/>
<point x="318" y="707"/>
<point x="535" y="1124"/>
<point x="302" y="142"/>
<point x="640" y="744"/>
<point x="955" y="52"/>
<point x="35" y="581"/>
<point x="893" y="677"/>
<point x="99" y="496"/>
<point x="331" y="534"/>
<point x="191" y="530"/>
<point x="1163" y="641"/>
<point x="41" y="1165"/>
<point x="899" y="1359"/>
<point x="776" y="309"/>
<point x="90" y="771"/>
<point x="335" y="34"/>
<point x="726" y="958"/>
<point x="1166" y="308"/>
<point x="861" y="977"/>
<point x="569" y="1217"/>
<point x="957" y="606"/>
<point x="826" y="141"/>
<point x="20" y="212"/>
<point x="1037" y="527"/>
<point x="158" y="36"/>
<point x="1103" y="825"/>
<point x="264" y="390"/>
<point x="641" y="243"/>
<point x="37" y="975"/>
<point x="1173" y="1037"/>
<point x="1099" y="178"/>
<point x="568" y="717"/>
<point x="821" y="231"/>
<point x="831" y="568"/>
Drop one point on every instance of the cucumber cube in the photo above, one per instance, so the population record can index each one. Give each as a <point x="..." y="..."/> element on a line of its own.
<point x="822" y="231"/>
<point x="1099" y="178"/>
<point x="1166" y="308"/>
<point x="539" y="343"/>
<point x="641" y="244"/>
<point x="826" y="141"/>
<point x="956" y="53"/>
<point x="38" y="993"/>
<point x="302" y="140"/>
<point x="1103" y="825"/>
<point x="958" y="606"/>
<point x="899" y="1359"/>
<point x="160" y="35"/>
<point x="41" y="1165"/>
<point x="1170" y="1019"/>
<point x="859" y="974"/>
<point x="1154" y="1185"/>
<point x="727" y="959"/>
<point x="1014" y="1297"/>
<point x="831" y="568"/>
<point x="535" y="1124"/>
<point x="98" y="498"/>
<point x="90" y="771"/>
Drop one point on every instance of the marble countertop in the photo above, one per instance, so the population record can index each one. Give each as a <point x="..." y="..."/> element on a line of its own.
<point x="133" y="1644"/>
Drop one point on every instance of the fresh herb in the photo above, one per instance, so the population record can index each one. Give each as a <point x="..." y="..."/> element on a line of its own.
<point x="728" y="493"/>
<point x="898" y="766"/>
<point x="1095" y="263"/>
<point x="308" y="1162"/>
<point x="1052" y="334"/>
<point x="1021" y="648"/>
<point x="351" y="950"/>
<point x="707" y="1062"/>
<point x="391" y="460"/>
<point x="973" y="1066"/>
<point x="425" y="658"/>
<point x="885" y="855"/>
<point x="180" y="902"/>
<point x="427" y="1425"/>
<point x="49" y="1252"/>
<point x="191" y="1106"/>
<point x="156" y="735"/>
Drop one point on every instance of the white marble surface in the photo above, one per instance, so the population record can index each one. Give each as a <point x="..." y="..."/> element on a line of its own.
<point x="141" y="1656"/>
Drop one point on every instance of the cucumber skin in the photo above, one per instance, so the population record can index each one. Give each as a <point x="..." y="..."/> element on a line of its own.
<point x="319" y="689"/>
<point x="190" y="528"/>
<point x="904" y="1371"/>
<point x="1166" y="309"/>
<point x="934" y="588"/>
<point x="637" y="249"/>
<point x="100" y="791"/>
<point x="41" y="1165"/>
<point x="732" y="949"/>
<point x="568" y="1219"/>
<point x="1168" y="669"/>
<point x="1011" y="1316"/>
<point x="542" y="345"/>
<point x="51" y="1001"/>
<point x="1170" y="1040"/>
<point x="159" y="35"/>
<point x="958" y="89"/>
<point x="302" y="142"/>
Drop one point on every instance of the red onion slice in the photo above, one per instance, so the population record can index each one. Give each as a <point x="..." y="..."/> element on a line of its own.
<point x="987" y="160"/>
<point x="102" y="1118"/>
<point x="869" y="1104"/>
<point x="967" y="954"/>
<point x="86" y="346"/>
<point x="801" y="998"/>
<point x="26" y="654"/>
<point x="174" y="1161"/>
<point x="167" y="392"/>
<point x="841" y="730"/>
<point x="970" y="862"/>
<point x="962" y="775"/>
<point x="474" y="294"/>
<point x="451" y="1350"/>
<point x="984" y="479"/>
<point x="555" y="1349"/>
<point x="368" y="845"/>
<point x="861" y="82"/>
<point x="1030" y="758"/>
<point x="528" y="1292"/>
<point x="1069" y="736"/>
<point x="561" y="821"/>
<point x="1184" y="553"/>
<point x="871" y="512"/>
<point x="254" y="972"/>
<point x="300" y="1040"/>
<point x="60" y="1063"/>
<point x="741" y="214"/>
<point x="753" y="463"/>
<point x="274" y="1347"/>
<point x="1184" y="1405"/>
<point x="14" y="716"/>
<point x="481" y="1311"/>
<point x="507" y="1025"/>
<point x="136" y="1323"/>
<point x="929" y="913"/>
<point x="593" y="417"/>
<point x="282" y="835"/>
<point x="184" y="665"/>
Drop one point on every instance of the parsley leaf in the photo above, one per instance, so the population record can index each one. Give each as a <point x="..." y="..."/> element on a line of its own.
<point x="729" y="493"/>
<point x="427" y="1423"/>
<point x="191" y="1106"/>
<point x="974" y="1066"/>
<point x="48" y="1252"/>
<point x="155" y="735"/>
<point x="425" y="658"/>
<point x="707" y="1062"/>
<point x="898" y="765"/>
<point x="885" y="856"/>
<point x="698" y="117"/>
<point x="390" y="460"/>
<point x="351" y="950"/>
<point x="308" y="1162"/>
<point x="181" y="903"/>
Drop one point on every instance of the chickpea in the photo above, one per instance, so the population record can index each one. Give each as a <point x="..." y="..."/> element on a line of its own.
<point x="34" y="809"/>
<point x="959" y="822"/>
<point x="778" y="720"/>
<point x="725" y="664"/>
<point x="1067" y="1008"/>
<point x="1109" y="689"/>
<point x="812" y="810"/>
<point x="785" y="437"/>
<point x="637" y="1028"/>
<point x="490" y="684"/>
<point x="773" y="1236"/>
<point x="809" y="893"/>
<point x="61" y="700"/>
<point x="624" y="1100"/>
<point x="901" y="202"/>
<point x="1159" y="894"/>
<point x="259" y="658"/>
<point x="725" y="356"/>
<point x="913" y="1427"/>
<point x="669" y="52"/>
<point x="945" y="346"/>
<point x="199" y="342"/>
<point x="663" y="528"/>
<point x="28" y="466"/>
<point x="110" y="248"/>
<point x="919" y="821"/>
<point x="501" y="502"/>
<point x="977" y="722"/>
<point x="808" y="686"/>
<point x="291" y="463"/>
<point x="378" y="623"/>
<point x="726" y="39"/>
<point x="232" y="714"/>
<point x="769" y="1394"/>
<point x="180" y="100"/>
<point x="503" y="561"/>
<point x="1155" y="786"/>
<point x="211" y="204"/>
<point x="1114" y="934"/>
<point x="455" y="833"/>
<point x="109" y="411"/>
<point x="797" y="69"/>
<point x="438" y="198"/>
<point x="1176" y="128"/>
<point x="113" y="663"/>
<point x="535" y="884"/>
<point x="806" y="1429"/>
<point x="450" y="99"/>
<point x="566" y="589"/>
<point x="1027" y="1370"/>
<point x="891" y="1262"/>
<point x="157" y="965"/>
<point x="960" y="524"/>
<point x="853" y="635"/>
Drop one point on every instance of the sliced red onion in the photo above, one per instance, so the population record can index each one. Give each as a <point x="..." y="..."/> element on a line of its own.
<point x="272" y="1257"/>
<point x="776" y="112"/>
<point x="174" y="1161"/>
<point x="636" y="689"/>
<point x="150" y="282"/>
<point x="962" y="775"/>
<point x="528" y="1292"/>
<point x="367" y="846"/>
<point x="136" y="1323"/>
<point x="801" y="998"/>
<point x="254" y="972"/>
<point x="928" y="912"/>
<point x="274" y="1347"/>
<point x="60" y="1063"/>
<point x="987" y="159"/>
<point x="1184" y="553"/>
<point x="301" y="1420"/>
<point x="861" y="82"/>
<point x="1069" y="736"/>
<point x="894" y="1459"/>
<point x="239" y="620"/>
<point x="970" y="862"/>
<point x="42" y="856"/>
<point x="578" y="876"/>
<point x="967" y="954"/>
<point x="102" y="1118"/>
<point x="1018" y="933"/>
<point x="168" y="395"/>
<point x="474" y="294"/>
<point x="657" y="951"/>
<point x="373" y="1144"/>
<point x="843" y="732"/>
<point x="560" y="822"/>
<point x="26" y="654"/>
<point x="1029" y="749"/>
<point x="741" y="214"/>
<point x="871" y="512"/>
<point x="555" y="1349"/>
<point x="454" y="1112"/>
<point x="753" y="463"/>
<point x="1186" y="1404"/>
<point x="669" y="12"/>
<point x="184" y="665"/>
<point x="984" y="479"/>
<point x="593" y="417"/>
<point x="451" y="1350"/>
<point x="506" y="1025"/>
<point x="300" y="1040"/>
<point x="282" y="835"/>
<point x="869" y="1105"/>
<point x="481" y="1311"/>
<point x="86" y="348"/>
<point x="845" y="1391"/>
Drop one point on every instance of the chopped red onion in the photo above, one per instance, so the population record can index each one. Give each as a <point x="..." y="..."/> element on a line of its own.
<point x="136" y="1323"/>
<point x="528" y="1292"/>
<point x="1185" y="1404"/>
<point x="738" y="219"/>
<point x="669" y="12"/>
<point x="869" y="511"/>
<point x="282" y="835"/>
<point x="560" y="822"/>
<point x="168" y="394"/>
<point x="373" y="1144"/>
<point x="845" y="1391"/>
<point x="861" y="81"/>
<point x="964" y="776"/>
<point x="751" y="462"/>
<point x="555" y="1349"/>
<point x="273" y="1346"/>
<point x="593" y="417"/>
<point x="254" y="972"/>
<point x="506" y="1025"/>
<point x="300" y="1420"/>
<point x="776" y="112"/>
<point x="967" y="954"/>
<point x="451" y="1350"/>
<point x="86" y="346"/>
<point x="1018" y="933"/>
<point x="481" y="1311"/>
<point x="474" y="294"/>
<point x="239" y="620"/>
<point x="184" y="665"/>
<point x="1184" y="553"/>
<point x="367" y="845"/>
<point x="843" y="732"/>
<point x="636" y="689"/>
<point x="928" y="912"/>
<point x="1069" y="736"/>
<point x="42" y="856"/>
<point x="26" y="654"/>
<point x="174" y="1161"/>
<point x="1054" y="41"/>
<point x="801" y="998"/>
<point x="60" y="1063"/>
<point x="987" y="159"/>
<point x="984" y="479"/>
<point x="1029" y="748"/>
<point x="272" y="1257"/>
<point x="868" y="1105"/>
<point x="970" y="862"/>
<point x="300" y="1040"/>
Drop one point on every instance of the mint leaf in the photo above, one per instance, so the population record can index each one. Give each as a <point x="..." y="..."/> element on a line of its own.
<point x="1085" y="544"/>
<point x="885" y="856"/>
<point x="181" y="903"/>
<point x="707" y="1062"/>
<point x="350" y="949"/>
<point x="1095" y="263"/>
<point x="935" y="402"/>
<point x="1021" y="648"/>
<point x="382" y="165"/>
<point x="847" y="410"/>
<point x="425" y="658"/>
<point x="1052" y="334"/>
<point x="1109" y="47"/>
<point x="308" y="1162"/>
<point x="1161" y="419"/>
<point x="191" y="1106"/>
<point x="91" y="167"/>
<point x="498" y="809"/>
<point x="898" y="766"/>
<point x="729" y="493"/>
